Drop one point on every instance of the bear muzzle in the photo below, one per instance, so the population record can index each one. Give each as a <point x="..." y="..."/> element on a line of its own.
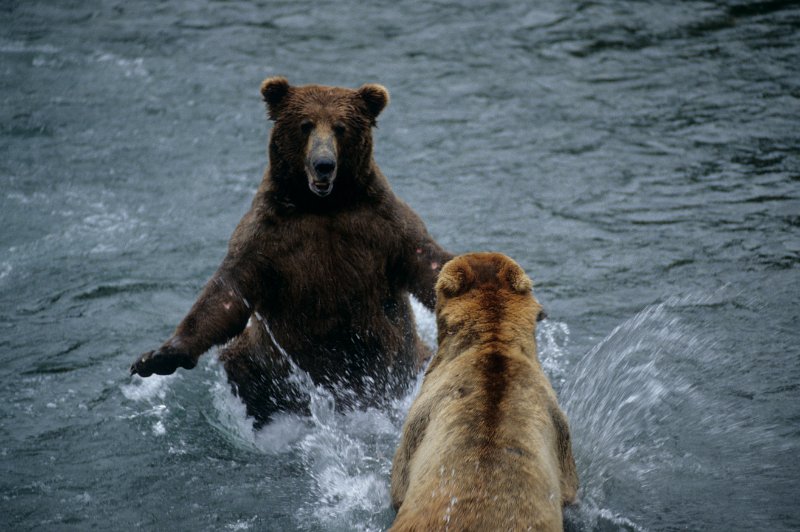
<point x="321" y="177"/>
<point x="321" y="166"/>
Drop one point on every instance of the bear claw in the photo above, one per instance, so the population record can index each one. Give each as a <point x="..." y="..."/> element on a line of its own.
<point x="161" y="362"/>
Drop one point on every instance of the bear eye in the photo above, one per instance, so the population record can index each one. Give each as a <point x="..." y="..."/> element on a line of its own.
<point x="339" y="128"/>
<point x="306" y="126"/>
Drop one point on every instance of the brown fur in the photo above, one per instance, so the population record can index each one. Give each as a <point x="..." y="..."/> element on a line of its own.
<point x="324" y="261"/>
<point x="485" y="445"/>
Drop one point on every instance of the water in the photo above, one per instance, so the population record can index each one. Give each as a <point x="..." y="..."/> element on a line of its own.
<point x="640" y="160"/>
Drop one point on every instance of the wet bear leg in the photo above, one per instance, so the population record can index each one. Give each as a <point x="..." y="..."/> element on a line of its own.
<point x="260" y="378"/>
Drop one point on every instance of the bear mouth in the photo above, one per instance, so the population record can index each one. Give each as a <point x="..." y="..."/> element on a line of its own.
<point x="320" y="188"/>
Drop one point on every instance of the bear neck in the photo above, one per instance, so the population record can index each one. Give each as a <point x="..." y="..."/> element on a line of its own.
<point x="484" y="338"/>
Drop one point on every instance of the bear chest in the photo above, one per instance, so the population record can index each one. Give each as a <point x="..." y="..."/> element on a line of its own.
<point x="325" y="264"/>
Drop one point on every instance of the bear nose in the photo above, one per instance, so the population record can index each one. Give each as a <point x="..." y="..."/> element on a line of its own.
<point x="324" y="166"/>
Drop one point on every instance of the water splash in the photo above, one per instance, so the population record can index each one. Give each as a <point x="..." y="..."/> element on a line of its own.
<point x="153" y="392"/>
<point x="615" y="399"/>
<point x="646" y="414"/>
<point x="426" y="323"/>
<point x="346" y="455"/>
<point x="552" y="339"/>
<point x="232" y="421"/>
<point x="349" y="469"/>
<point x="619" y="398"/>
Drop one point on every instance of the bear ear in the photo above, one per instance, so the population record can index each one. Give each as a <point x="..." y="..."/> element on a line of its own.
<point x="274" y="90"/>
<point x="517" y="278"/>
<point x="455" y="278"/>
<point x="375" y="97"/>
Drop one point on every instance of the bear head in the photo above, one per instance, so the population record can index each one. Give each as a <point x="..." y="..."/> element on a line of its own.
<point x="482" y="289"/>
<point x="321" y="140"/>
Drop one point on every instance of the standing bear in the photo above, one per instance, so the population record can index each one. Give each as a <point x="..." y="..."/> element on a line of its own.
<point x="485" y="445"/>
<point x="319" y="271"/>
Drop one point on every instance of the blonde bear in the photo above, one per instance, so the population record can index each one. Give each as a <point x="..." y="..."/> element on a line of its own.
<point x="485" y="445"/>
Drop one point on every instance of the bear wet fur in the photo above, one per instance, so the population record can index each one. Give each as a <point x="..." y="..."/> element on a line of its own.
<point x="485" y="445"/>
<point x="319" y="271"/>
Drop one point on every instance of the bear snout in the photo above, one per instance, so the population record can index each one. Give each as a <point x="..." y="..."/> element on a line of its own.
<point x="324" y="168"/>
<point x="321" y="164"/>
<point x="321" y="173"/>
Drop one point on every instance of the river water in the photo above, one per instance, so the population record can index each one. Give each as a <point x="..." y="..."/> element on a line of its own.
<point x="640" y="159"/>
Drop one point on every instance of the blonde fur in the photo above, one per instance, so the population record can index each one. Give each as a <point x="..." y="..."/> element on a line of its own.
<point x="485" y="445"/>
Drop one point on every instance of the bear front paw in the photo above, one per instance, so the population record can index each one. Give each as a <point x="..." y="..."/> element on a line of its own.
<point x="163" y="361"/>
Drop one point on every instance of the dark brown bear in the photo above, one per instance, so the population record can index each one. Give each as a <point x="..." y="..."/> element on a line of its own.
<point x="319" y="269"/>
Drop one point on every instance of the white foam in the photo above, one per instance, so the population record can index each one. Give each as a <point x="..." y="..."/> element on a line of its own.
<point x="426" y="322"/>
<point x="129" y="67"/>
<point x="618" y="396"/>
<point x="108" y="226"/>
<point x="152" y="392"/>
<point x="347" y="456"/>
<point x="149" y="389"/>
<point x="552" y="339"/>
<point x="241" y="524"/>
<point x="14" y="47"/>
<point x="158" y="428"/>
<point x="279" y="436"/>
<point x="102" y="223"/>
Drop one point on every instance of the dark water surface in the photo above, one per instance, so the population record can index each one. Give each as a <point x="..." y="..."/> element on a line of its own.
<point x="640" y="159"/>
